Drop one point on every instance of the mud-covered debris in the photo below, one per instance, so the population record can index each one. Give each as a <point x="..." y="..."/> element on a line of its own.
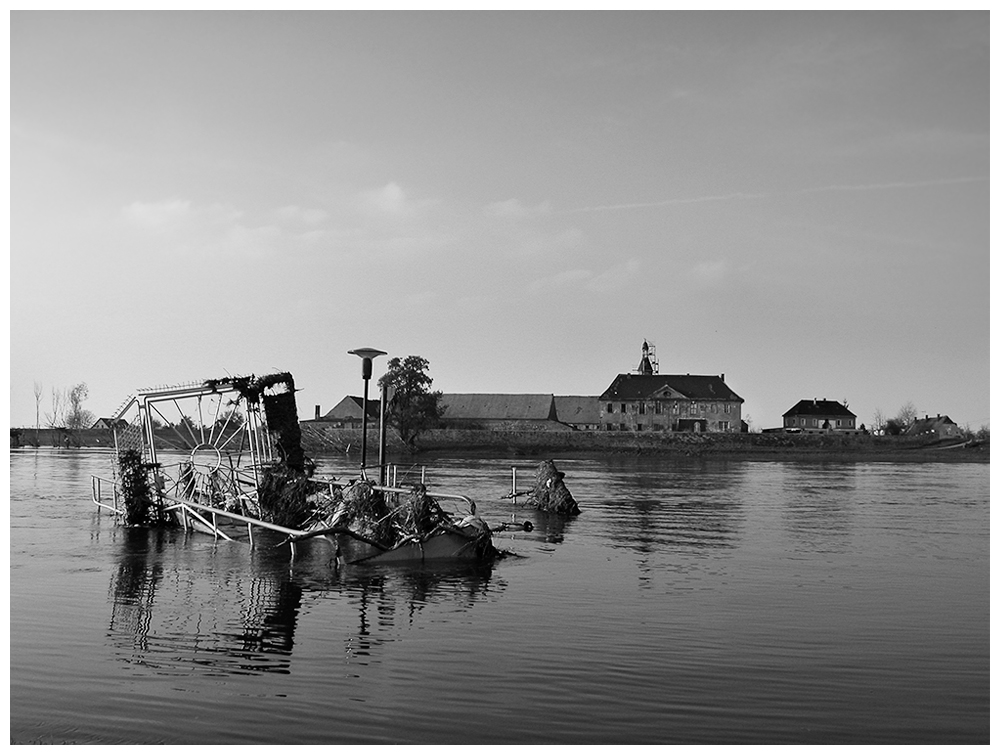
<point x="419" y="515"/>
<point x="550" y="493"/>
<point x="364" y="511"/>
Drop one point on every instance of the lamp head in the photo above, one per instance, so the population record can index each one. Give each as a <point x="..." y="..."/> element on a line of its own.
<point x="367" y="354"/>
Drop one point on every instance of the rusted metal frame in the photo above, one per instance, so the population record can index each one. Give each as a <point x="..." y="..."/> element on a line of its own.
<point x="215" y="421"/>
<point x="201" y="421"/>
<point x="97" y="497"/>
<point x="204" y="508"/>
<point x="433" y="495"/>
<point x="194" y="441"/>
<point x="170" y="425"/>
<point x="225" y="427"/>
<point x="188" y="510"/>
<point x="147" y="432"/>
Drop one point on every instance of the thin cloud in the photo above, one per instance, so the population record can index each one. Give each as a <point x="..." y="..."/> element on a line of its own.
<point x="514" y="208"/>
<point x="296" y="214"/>
<point x="612" y="279"/>
<point x="156" y="214"/>
<point x="892" y="185"/>
<point x="768" y="195"/>
<point x="669" y="202"/>
<point x="390" y="201"/>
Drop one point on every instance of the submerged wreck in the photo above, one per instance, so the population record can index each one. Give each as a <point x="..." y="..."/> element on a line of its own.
<point x="224" y="457"/>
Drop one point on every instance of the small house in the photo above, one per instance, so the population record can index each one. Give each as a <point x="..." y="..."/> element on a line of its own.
<point x="109" y="423"/>
<point x="819" y="416"/>
<point x="935" y="428"/>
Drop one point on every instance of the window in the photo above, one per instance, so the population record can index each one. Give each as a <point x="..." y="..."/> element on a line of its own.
<point x="657" y="408"/>
<point x="622" y="426"/>
<point x="610" y="410"/>
<point x="623" y="405"/>
<point x="724" y="425"/>
<point x="726" y="408"/>
<point x="639" y="426"/>
<point x="642" y="408"/>
<point x="694" y="408"/>
<point x="713" y="409"/>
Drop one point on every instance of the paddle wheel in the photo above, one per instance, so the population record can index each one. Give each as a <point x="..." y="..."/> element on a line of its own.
<point x="206" y="442"/>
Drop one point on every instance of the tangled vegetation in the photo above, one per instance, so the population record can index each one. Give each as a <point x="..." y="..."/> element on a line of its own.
<point x="141" y="507"/>
<point x="290" y="498"/>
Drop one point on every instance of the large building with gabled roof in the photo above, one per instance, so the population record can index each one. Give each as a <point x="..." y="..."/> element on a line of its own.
<point x="644" y="400"/>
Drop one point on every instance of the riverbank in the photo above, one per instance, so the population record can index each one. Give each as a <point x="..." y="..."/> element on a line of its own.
<point x="573" y="443"/>
<point x="321" y="438"/>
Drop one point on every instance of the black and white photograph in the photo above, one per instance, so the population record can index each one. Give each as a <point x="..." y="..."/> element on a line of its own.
<point x="457" y="376"/>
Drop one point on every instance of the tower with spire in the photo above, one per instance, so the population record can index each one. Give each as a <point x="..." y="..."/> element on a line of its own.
<point x="648" y="363"/>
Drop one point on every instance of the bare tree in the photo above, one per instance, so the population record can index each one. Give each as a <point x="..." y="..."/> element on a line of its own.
<point x="38" y="405"/>
<point x="907" y="413"/>
<point x="878" y="420"/>
<point x="57" y="417"/>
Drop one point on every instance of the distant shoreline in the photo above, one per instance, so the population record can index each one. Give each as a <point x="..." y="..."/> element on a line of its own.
<point x="321" y="438"/>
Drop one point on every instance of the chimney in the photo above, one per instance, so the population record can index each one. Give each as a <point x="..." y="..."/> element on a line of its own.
<point x="317" y="416"/>
<point x="722" y="377"/>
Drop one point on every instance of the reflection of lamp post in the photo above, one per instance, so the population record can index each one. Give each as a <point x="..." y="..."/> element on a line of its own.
<point x="367" y="355"/>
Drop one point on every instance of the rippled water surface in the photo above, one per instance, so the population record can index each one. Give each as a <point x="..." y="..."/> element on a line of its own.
<point x="690" y="602"/>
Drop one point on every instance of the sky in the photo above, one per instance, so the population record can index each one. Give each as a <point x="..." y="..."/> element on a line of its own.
<point x="797" y="200"/>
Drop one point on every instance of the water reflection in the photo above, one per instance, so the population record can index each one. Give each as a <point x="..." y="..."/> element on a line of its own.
<point x="817" y="505"/>
<point x="388" y="600"/>
<point x="693" y="507"/>
<point x="548" y="526"/>
<point x="181" y="603"/>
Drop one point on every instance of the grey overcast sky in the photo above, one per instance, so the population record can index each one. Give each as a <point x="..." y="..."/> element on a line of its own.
<point x="798" y="200"/>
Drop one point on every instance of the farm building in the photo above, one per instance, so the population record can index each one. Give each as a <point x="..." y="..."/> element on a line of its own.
<point x="819" y="415"/>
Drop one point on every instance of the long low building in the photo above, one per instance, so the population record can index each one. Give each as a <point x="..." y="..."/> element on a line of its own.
<point x="499" y="410"/>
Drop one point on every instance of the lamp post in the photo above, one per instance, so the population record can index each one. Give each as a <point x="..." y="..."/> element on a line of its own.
<point x="367" y="354"/>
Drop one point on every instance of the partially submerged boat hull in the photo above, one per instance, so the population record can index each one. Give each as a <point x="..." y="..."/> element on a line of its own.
<point x="468" y="544"/>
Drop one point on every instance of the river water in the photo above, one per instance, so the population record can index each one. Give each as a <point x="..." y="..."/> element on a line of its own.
<point x="692" y="601"/>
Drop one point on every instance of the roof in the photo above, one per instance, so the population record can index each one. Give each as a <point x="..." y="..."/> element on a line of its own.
<point x="929" y="424"/>
<point x="577" y="410"/>
<point x="498" y="406"/>
<point x="629" y="386"/>
<point x="110" y="422"/>
<point x="819" y="408"/>
<point x="350" y="407"/>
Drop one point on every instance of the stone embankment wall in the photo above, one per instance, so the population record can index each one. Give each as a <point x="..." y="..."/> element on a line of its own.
<point x="317" y="437"/>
